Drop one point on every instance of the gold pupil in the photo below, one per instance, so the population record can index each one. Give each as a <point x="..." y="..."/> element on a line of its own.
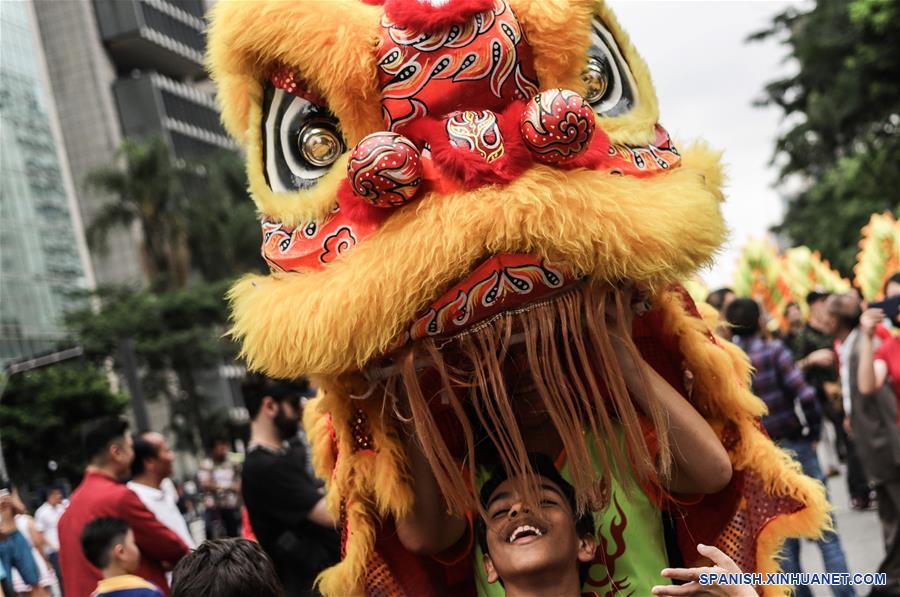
<point x="319" y="146"/>
<point x="596" y="77"/>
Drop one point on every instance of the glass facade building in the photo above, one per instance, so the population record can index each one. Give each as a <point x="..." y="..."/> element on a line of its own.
<point x="43" y="258"/>
<point x="127" y="69"/>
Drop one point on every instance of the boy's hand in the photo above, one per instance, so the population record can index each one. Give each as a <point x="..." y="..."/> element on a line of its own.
<point x="620" y="333"/>
<point x="821" y="358"/>
<point x="833" y="389"/>
<point x="723" y="565"/>
<point x="870" y="320"/>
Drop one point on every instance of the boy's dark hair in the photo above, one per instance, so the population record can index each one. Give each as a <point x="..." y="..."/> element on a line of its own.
<point x="100" y="433"/>
<point x="256" y="387"/>
<point x="44" y="492"/>
<point x="217" y="438"/>
<point x="716" y="298"/>
<point x="99" y="537"/>
<point x="848" y="311"/>
<point x="743" y="315"/>
<point x="543" y="466"/>
<point x="142" y="451"/>
<point x="226" y="568"/>
<point x="894" y="278"/>
<point x="814" y="296"/>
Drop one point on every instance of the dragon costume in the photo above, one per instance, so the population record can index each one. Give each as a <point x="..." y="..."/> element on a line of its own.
<point x="444" y="182"/>
<point x="777" y="280"/>
<point x="879" y="255"/>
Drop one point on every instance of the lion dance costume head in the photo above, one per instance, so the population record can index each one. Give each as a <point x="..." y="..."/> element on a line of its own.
<point x="454" y="194"/>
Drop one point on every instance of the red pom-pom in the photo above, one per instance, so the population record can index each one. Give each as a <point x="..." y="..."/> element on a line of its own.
<point x="430" y="16"/>
<point x="385" y="169"/>
<point x="557" y="126"/>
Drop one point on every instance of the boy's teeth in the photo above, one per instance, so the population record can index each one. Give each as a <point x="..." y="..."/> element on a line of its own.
<point x="522" y="529"/>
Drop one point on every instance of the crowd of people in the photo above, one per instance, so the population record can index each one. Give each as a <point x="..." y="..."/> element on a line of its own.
<point x="840" y="366"/>
<point x="123" y="530"/>
<point x="831" y="383"/>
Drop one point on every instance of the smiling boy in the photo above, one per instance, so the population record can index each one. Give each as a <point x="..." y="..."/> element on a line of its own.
<point x="548" y="551"/>
<point x="545" y="552"/>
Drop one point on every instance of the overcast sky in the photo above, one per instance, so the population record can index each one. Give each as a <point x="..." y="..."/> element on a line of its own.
<point x="706" y="78"/>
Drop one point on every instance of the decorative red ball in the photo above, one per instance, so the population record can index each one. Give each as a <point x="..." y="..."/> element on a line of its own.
<point x="557" y="126"/>
<point x="385" y="169"/>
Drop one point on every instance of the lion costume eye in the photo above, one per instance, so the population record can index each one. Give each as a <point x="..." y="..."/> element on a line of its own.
<point x="301" y="140"/>
<point x="610" y="86"/>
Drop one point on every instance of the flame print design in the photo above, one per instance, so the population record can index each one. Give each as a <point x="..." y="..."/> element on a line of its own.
<point x="499" y="284"/>
<point x="311" y="245"/>
<point x="476" y="131"/>
<point x="615" y="537"/>
<point x="645" y="160"/>
<point x="423" y="71"/>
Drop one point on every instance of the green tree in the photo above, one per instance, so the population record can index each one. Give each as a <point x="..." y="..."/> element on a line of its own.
<point x="147" y="187"/>
<point x="177" y="331"/>
<point x="200" y="230"/>
<point x="843" y="107"/>
<point x="191" y="214"/>
<point x="40" y="416"/>
<point x="223" y="226"/>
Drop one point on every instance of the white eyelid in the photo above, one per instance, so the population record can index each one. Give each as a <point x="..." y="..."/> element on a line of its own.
<point x="603" y="40"/>
<point x="274" y="180"/>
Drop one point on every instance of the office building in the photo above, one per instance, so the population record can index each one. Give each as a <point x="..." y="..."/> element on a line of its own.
<point x="44" y="264"/>
<point x="125" y="69"/>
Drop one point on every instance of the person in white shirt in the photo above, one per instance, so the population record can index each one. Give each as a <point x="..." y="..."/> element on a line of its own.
<point x="45" y="520"/>
<point x="47" y="581"/>
<point x="150" y="480"/>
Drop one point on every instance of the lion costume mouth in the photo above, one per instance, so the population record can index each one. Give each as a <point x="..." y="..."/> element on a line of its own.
<point x="606" y="227"/>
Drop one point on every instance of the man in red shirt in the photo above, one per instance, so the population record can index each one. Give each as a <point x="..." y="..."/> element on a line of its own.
<point x="101" y="494"/>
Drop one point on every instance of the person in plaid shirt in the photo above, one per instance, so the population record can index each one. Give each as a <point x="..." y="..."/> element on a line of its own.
<point x="793" y="422"/>
<point x="776" y="380"/>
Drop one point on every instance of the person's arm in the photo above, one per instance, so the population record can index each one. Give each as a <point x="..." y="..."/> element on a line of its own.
<point x="10" y="506"/>
<point x="286" y="492"/>
<point x="428" y="528"/>
<point x="871" y="373"/>
<point x="320" y="515"/>
<point x="700" y="461"/>
<point x="817" y="358"/>
<point x="155" y="540"/>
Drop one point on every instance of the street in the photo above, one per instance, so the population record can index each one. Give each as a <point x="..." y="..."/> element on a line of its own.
<point x="860" y="534"/>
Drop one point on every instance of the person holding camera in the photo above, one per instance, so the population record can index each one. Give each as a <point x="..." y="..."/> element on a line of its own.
<point x="873" y="420"/>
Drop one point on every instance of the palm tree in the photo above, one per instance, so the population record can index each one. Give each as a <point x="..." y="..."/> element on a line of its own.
<point x="224" y="233"/>
<point x="148" y="187"/>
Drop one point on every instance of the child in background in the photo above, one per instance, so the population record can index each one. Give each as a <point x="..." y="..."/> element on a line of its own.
<point x="226" y="568"/>
<point x="108" y="544"/>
